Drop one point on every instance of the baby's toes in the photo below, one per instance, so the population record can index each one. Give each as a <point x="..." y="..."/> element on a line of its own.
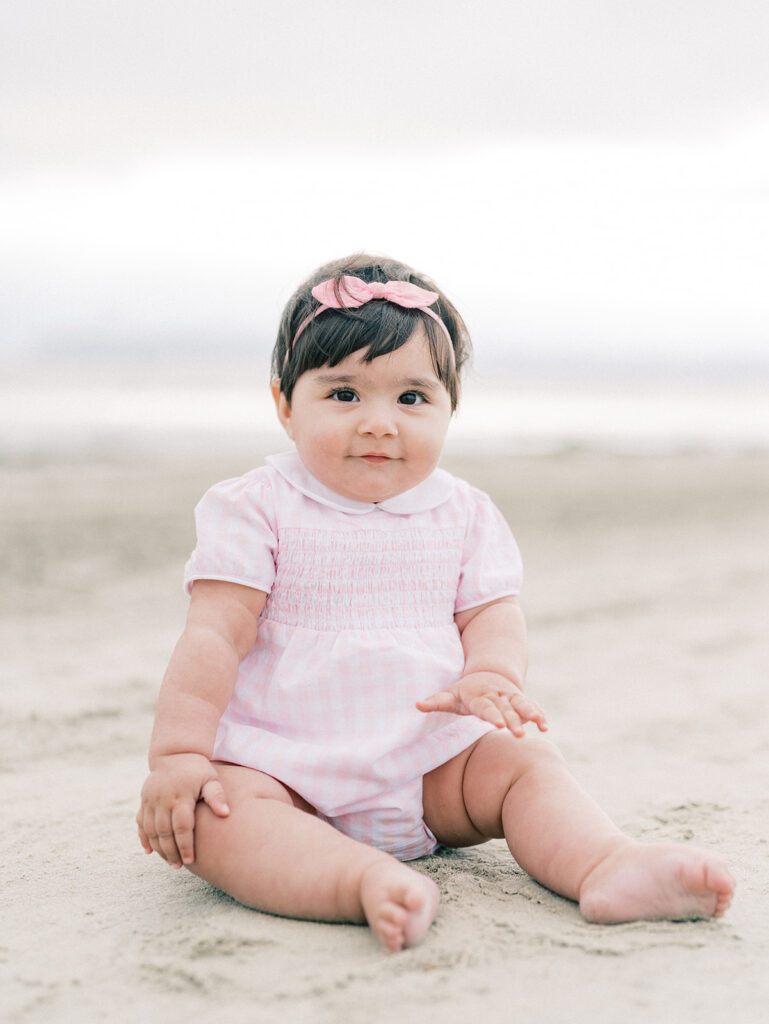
<point x="392" y="936"/>
<point x="399" y="904"/>
<point x="722" y="905"/>
<point x="719" y="880"/>
<point x="391" y="925"/>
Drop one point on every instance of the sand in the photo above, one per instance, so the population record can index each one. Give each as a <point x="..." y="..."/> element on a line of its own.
<point x="647" y="587"/>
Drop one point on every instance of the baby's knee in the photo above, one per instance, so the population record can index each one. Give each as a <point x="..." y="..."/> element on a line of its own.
<point x="510" y="756"/>
<point x="538" y="750"/>
<point x="498" y="762"/>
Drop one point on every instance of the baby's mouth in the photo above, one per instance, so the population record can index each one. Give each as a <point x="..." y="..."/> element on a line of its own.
<point x="375" y="458"/>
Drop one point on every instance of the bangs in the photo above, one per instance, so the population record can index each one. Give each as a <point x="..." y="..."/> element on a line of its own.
<point x="378" y="328"/>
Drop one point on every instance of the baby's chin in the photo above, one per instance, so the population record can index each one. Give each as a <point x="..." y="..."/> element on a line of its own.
<point x="373" y="484"/>
<point x="373" y="497"/>
<point x="376" y="495"/>
<point x="370" y="479"/>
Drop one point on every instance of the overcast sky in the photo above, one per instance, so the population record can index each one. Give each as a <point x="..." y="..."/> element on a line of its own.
<point x="584" y="178"/>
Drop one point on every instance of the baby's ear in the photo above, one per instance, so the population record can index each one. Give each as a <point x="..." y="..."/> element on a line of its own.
<point x="282" y="406"/>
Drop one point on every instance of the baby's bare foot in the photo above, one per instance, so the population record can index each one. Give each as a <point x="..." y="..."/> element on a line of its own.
<point x="645" y="882"/>
<point x="399" y="903"/>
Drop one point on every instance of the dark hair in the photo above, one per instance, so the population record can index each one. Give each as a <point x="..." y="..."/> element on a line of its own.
<point x="380" y="327"/>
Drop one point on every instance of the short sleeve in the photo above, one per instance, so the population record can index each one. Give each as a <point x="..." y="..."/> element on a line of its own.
<point x="236" y="535"/>
<point x="491" y="563"/>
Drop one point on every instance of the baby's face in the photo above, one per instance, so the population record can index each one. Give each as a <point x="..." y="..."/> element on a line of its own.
<point x="370" y="431"/>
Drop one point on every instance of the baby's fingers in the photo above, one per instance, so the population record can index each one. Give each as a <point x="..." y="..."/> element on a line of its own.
<point x="514" y="720"/>
<point x="213" y="794"/>
<point x="163" y="840"/>
<point x="491" y="709"/>
<point x="143" y="838"/>
<point x="509" y="711"/>
<point x="183" y="824"/>
<point x="529" y="711"/>
<point x="443" y="701"/>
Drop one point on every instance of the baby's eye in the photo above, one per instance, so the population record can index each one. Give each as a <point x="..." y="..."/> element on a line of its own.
<point x="412" y="398"/>
<point x="344" y="395"/>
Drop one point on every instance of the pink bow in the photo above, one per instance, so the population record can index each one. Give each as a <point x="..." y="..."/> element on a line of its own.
<point x="353" y="293"/>
<point x="349" y="292"/>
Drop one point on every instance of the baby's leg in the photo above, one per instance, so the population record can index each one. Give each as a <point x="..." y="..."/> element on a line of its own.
<point x="520" y="789"/>
<point x="273" y="854"/>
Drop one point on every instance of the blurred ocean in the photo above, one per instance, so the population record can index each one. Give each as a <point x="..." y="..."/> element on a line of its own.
<point x="81" y="411"/>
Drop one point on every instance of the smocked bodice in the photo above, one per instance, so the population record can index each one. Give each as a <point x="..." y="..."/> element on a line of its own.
<point x="366" y="578"/>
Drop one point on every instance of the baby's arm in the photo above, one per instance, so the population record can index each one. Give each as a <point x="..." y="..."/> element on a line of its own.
<point x="220" y="630"/>
<point x="494" y="641"/>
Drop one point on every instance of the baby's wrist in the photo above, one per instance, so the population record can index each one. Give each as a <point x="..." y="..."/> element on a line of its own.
<point x="511" y="678"/>
<point x="163" y="758"/>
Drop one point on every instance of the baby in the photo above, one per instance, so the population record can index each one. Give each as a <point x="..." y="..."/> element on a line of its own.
<point x="348" y="691"/>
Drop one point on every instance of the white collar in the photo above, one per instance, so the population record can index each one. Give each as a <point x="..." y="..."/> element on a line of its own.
<point x="426" y="495"/>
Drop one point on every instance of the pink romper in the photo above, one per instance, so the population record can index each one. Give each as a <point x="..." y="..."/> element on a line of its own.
<point x="358" y="625"/>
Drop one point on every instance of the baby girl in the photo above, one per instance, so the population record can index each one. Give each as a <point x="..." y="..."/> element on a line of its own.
<point x="348" y="691"/>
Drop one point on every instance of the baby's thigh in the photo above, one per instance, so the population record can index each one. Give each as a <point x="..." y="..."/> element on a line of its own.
<point x="445" y="813"/>
<point x="243" y="785"/>
<point x="261" y="813"/>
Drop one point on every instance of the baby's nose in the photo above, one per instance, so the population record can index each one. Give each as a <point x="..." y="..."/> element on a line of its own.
<point x="378" y="421"/>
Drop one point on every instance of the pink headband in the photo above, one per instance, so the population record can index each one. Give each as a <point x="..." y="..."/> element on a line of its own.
<point x="350" y="292"/>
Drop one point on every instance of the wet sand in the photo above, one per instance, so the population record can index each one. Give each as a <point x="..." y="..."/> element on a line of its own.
<point x="646" y="590"/>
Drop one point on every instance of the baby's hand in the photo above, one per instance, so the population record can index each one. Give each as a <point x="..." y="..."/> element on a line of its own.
<point x="491" y="697"/>
<point x="166" y="817"/>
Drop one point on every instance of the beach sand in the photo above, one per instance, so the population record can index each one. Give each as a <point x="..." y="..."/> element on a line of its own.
<point x="647" y="588"/>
